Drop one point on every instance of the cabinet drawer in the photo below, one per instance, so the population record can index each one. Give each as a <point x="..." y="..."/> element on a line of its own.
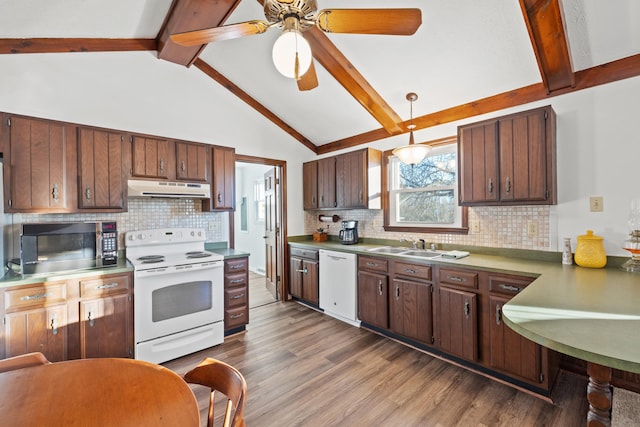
<point x="508" y="285"/>
<point x="373" y="264"/>
<point x="233" y="280"/>
<point x="103" y="286"/>
<point x="466" y="279"/>
<point x="34" y="296"/>
<point x="236" y="265"/>
<point x="412" y="270"/>
<point x="304" y="253"/>
<point x="235" y="297"/>
<point x="236" y="317"/>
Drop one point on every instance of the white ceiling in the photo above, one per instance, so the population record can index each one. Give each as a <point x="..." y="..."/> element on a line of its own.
<point x="465" y="50"/>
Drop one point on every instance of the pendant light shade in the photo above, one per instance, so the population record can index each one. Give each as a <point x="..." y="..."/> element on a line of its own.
<point x="411" y="153"/>
<point x="291" y="52"/>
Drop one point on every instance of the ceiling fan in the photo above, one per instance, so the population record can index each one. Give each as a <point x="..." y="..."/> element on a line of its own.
<point x="291" y="52"/>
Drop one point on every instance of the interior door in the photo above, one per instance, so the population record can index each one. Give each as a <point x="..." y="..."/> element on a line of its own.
<point x="272" y="230"/>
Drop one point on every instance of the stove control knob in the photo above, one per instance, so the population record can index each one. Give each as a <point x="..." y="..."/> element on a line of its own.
<point x="141" y="236"/>
<point x="193" y="233"/>
<point x="132" y="237"/>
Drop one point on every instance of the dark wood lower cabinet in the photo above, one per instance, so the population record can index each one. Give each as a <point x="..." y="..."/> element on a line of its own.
<point x="510" y="352"/>
<point x="458" y="323"/>
<point x="303" y="275"/>
<point x="77" y="318"/>
<point x="236" y="294"/>
<point x="373" y="299"/>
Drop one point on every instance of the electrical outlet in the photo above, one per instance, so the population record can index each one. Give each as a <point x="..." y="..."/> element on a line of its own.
<point x="532" y="228"/>
<point x="475" y="226"/>
<point x="596" y="204"/>
<point x="213" y="226"/>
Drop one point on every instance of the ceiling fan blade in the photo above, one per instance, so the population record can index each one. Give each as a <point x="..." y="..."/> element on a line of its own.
<point x="215" y="34"/>
<point x="309" y="80"/>
<point x="400" y="22"/>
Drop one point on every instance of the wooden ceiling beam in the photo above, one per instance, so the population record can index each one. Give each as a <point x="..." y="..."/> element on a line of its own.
<point x="602" y="74"/>
<point x="63" y="45"/>
<point x="231" y="87"/>
<point x="188" y="15"/>
<point x="546" y="31"/>
<point x="328" y="55"/>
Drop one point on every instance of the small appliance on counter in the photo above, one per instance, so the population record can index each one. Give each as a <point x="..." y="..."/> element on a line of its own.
<point x="349" y="233"/>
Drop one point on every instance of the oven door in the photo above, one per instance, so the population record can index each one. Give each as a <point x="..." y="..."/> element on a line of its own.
<point x="178" y="298"/>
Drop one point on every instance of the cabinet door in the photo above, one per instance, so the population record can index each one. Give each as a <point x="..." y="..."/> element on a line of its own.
<point x="373" y="303"/>
<point x="224" y="176"/>
<point x="510" y="351"/>
<point x="478" y="163"/>
<point x="105" y="327"/>
<point x="410" y="310"/>
<point x="327" y="183"/>
<point x="150" y="158"/>
<point x="100" y="167"/>
<point x="310" y="282"/>
<point x="310" y="185"/>
<point x="523" y="157"/>
<point x="192" y="162"/>
<point x="37" y="166"/>
<point x="351" y="179"/>
<point x="42" y="330"/>
<point x="295" y="277"/>
<point x="458" y="323"/>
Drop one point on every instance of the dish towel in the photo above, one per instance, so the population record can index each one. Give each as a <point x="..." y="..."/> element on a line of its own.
<point x="455" y="254"/>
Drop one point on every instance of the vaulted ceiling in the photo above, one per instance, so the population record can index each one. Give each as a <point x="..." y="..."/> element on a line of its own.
<point x="467" y="58"/>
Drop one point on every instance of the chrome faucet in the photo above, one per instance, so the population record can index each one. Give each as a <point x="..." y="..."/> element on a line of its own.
<point x="433" y="247"/>
<point x="422" y="243"/>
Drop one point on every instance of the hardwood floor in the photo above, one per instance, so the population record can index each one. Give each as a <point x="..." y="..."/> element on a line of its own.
<point x="307" y="369"/>
<point x="258" y="293"/>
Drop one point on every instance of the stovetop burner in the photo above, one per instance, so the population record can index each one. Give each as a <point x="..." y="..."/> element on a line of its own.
<point x="198" y="254"/>
<point x="151" y="259"/>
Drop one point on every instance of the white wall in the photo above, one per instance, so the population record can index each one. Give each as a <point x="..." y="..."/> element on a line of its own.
<point x="598" y="147"/>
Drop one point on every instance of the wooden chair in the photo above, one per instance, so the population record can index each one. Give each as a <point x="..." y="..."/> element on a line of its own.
<point x="226" y="379"/>
<point x="23" y="361"/>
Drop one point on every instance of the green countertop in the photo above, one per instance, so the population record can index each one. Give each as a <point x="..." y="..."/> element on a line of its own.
<point x="591" y="314"/>
<point x="10" y="279"/>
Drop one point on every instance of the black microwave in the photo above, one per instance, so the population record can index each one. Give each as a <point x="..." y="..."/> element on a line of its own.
<point x="68" y="246"/>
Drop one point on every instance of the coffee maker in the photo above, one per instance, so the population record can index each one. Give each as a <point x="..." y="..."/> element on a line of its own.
<point x="349" y="233"/>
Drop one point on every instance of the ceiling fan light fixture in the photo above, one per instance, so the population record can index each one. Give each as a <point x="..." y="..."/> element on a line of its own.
<point x="291" y="52"/>
<point x="411" y="153"/>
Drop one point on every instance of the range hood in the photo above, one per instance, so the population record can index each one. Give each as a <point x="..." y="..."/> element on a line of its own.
<point x="165" y="189"/>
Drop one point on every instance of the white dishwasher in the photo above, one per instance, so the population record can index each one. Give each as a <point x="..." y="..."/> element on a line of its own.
<point x="337" y="285"/>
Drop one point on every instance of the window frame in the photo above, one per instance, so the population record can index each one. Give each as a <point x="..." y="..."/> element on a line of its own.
<point x="386" y="158"/>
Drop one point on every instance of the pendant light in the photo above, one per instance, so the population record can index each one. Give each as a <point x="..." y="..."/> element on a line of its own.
<point x="291" y="52"/>
<point x="412" y="153"/>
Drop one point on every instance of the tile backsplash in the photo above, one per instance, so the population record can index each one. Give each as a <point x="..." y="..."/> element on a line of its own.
<point x="146" y="214"/>
<point x="499" y="227"/>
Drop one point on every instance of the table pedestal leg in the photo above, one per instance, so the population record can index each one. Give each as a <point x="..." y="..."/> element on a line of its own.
<point x="599" y="395"/>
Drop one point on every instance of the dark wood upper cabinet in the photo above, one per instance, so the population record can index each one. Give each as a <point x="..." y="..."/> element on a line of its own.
<point x="347" y="181"/>
<point x="358" y="179"/>
<point x="101" y="170"/>
<point x="40" y="167"/>
<point x="192" y="162"/>
<point x="326" y="180"/>
<point x="151" y="158"/>
<point x="310" y="185"/>
<point x="509" y="160"/>
<point x="223" y="180"/>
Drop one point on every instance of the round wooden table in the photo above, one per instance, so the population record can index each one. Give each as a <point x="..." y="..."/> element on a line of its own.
<point x="96" y="392"/>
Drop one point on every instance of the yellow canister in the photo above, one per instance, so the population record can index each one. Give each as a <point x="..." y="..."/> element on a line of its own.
<point x="590" y="251"/>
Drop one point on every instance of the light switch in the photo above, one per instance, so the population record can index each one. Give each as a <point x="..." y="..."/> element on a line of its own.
<point x="596" y="204"/>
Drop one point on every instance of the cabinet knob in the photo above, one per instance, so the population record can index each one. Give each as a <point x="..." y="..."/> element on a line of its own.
<point x="54" y="325"/>
<point x="87" y="193"/>
<point x="182" y="166"/>
<point x="490" y="187"/>
<point x="498" y="315"/>
<point x="90" y="319"/>
<point x="507" y="184"/>
<point x="467" y="309"/>
<point x="380" y="287"/>
<point x="162" y="165"/>
<point x="219" y="197"/>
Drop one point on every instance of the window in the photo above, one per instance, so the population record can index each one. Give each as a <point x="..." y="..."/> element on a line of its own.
<point x="258" y="200"/>
<point x="424" y="197"/>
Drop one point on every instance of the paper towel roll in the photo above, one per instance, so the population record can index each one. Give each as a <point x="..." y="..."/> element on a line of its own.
<point x="328" y="218"/>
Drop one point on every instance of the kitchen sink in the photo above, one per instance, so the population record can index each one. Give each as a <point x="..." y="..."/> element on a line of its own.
<point x="422" y="253"/>
<point x="388" y="250"/>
